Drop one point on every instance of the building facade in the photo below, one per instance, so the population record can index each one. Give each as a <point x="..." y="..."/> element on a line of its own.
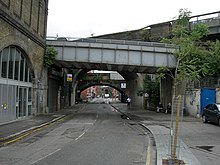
<point x="22" y="47"/>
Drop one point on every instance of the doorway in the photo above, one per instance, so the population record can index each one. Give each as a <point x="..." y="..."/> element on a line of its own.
<point x="207" y="96"/>
<point x="22" y="100"/>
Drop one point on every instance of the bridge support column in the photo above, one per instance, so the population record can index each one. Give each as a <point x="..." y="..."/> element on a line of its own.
<point x="166" y="90"/>
<point x="40" y="91"/>
<point x="73" y="93"/>
<point x="137" y="101"/>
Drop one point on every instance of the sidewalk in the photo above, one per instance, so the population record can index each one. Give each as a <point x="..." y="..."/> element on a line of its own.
<point x="162" y="139"/>
<point x="161" y="134"/>
<point x="15" y="129"/>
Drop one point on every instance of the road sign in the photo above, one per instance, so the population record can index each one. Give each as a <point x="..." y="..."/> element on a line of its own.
<point x="123" y="85"/>
<point x="69" y="77"/>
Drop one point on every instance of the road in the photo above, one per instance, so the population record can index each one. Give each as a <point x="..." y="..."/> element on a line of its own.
<point x="95" y="135"/>
<point x="202" y="139"/>
<point x="98" y="134"/>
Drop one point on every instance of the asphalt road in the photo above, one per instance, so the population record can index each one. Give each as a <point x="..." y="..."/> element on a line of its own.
<point x="204" y="141"/>
<point x="96" y="135"/>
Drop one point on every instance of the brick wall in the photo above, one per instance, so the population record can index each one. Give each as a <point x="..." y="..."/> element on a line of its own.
<point x="34" y="53"/>
<point x="23" y="24"/>
<point x="29" y="14"/>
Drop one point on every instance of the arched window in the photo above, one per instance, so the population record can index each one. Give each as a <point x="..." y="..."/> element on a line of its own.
<point x="13" y="65"/>
<point x="15" y="84"/>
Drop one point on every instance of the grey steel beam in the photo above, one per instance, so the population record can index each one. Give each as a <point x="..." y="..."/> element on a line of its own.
<point x="144" y="55"/>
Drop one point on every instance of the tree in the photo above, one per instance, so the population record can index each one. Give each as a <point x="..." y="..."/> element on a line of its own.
<point x="152" y="88"/>
<point x="195" y="58"/>
<point x="50" y="56"/>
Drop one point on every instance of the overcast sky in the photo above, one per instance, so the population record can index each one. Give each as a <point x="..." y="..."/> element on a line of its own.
<point x="81" y="18"/>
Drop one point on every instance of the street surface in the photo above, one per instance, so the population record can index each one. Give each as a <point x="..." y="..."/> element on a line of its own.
<point x="100" y="135"/>
<point x="202" y="138"/>
<point x="96" y="135"/>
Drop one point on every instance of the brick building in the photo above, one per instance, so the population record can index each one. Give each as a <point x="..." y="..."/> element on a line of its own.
<point x="22" y="46"/>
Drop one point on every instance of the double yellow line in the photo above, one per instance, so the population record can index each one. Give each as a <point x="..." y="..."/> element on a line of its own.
<point x="29" y="132"/>
<point x="15" y="138"/>
<point x="148" y="155"/>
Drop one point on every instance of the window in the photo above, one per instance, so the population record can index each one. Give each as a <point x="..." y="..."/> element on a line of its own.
<point x="29" y="94"/>
<point x="215" y="107"/>
<point x="13" y="65"/>
<point x="17" y="65"/>
<point x="5" y="63"/>
<point x="22" y="69"/>
<point x="29" y="79"/>
<point x="1" y="62"/>
<point x="26" y="73"/>
<point x="211" y="107"/>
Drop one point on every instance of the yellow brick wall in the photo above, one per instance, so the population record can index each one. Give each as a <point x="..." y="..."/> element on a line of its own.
<point x="31" y="14"/>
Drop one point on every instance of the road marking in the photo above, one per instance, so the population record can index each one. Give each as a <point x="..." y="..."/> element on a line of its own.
<point x="81" y="135"/>
<point x="46" y="156"/>
<point x="18" y="136"/>
<point x="148" y="155"/>
<point x="79" y="123"/>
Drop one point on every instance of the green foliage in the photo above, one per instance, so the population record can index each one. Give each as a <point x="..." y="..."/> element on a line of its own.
<point x="194" y="58"/>
<point x="140" y="92"/>
<point x="216" y="54"/>
<point x="97" y="76"/>
<point x="183" y="17"/>
<point x="145" y="35"/>
<point x="163" y="71"/>
<point x="127" y="35"/>
<point x="153" y="90"/>
<point x="50" y="56"/>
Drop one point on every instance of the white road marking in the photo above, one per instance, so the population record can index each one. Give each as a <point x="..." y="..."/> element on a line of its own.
<point x="81" y="135"/>
<point x="46" y="156"/>
<point x="81" y="123"/>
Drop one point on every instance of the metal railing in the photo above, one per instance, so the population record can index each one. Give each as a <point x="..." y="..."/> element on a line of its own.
<point x="205" y="18"/>
<point x="110" y="41"/>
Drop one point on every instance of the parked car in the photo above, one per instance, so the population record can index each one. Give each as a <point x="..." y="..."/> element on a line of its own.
<point x="211" y="113"/>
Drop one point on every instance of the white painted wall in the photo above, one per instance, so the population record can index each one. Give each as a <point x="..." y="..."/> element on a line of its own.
<point x="217" y="95"/>
<point x="116" y="76"/>
<point x="192" y="102"/>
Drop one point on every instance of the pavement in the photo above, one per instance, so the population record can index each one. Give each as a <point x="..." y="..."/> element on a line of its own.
<point x="15" y="130"/>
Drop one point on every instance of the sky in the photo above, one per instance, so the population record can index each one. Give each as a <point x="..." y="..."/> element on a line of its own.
<point x="86" y="18"/>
